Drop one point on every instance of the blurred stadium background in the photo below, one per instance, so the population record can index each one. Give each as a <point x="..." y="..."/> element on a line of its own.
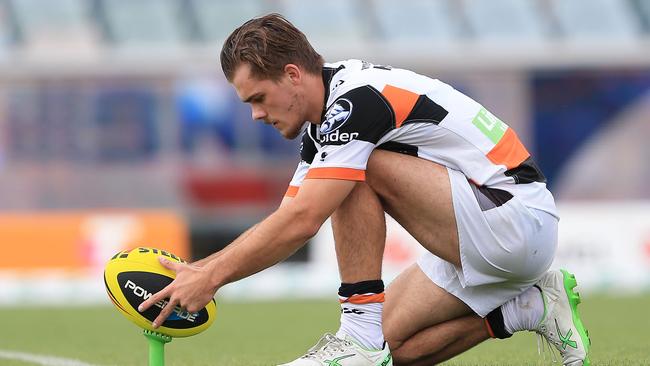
<point x="117" y="129"/>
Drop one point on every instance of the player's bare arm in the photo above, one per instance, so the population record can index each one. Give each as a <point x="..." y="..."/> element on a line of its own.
<point x="274" y="239"/>
<point x="284" y="232"/>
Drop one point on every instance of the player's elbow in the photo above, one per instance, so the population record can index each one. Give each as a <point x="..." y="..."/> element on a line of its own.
<point x="306" y="220"/>
<point x="311" y="229"/>
<point x="310" y="226"/>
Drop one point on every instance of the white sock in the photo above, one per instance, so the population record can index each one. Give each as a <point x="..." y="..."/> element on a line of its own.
<point x="524" y="312"/>
<point x="361" y="320"/>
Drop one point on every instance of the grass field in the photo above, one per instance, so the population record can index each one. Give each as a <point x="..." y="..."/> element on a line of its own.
<point x="268" y="333"/>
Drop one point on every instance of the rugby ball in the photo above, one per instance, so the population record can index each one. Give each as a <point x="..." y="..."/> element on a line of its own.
<point x="132" y="276"/>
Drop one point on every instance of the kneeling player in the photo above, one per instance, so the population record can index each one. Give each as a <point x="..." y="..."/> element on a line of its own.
<point x="452" y="174"/>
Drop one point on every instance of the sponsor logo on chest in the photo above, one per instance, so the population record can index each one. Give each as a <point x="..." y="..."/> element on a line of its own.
<point x="335" y="117"/>
<point x="337" y="114"/>
<point x="338" y="136"/>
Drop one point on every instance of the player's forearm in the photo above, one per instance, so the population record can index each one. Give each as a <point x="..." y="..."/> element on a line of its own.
<point x="273" y="240"/>
<point x="211" y="257"/>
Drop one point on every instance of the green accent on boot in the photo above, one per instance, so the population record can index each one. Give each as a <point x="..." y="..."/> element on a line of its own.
<point x="335" y="362"/>
<point x="570" y="283"/>
<point x="566" y="338"/>
<point x="387" y="360"/>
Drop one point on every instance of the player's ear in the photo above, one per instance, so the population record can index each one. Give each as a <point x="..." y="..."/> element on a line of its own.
<point x="293" y="73"/>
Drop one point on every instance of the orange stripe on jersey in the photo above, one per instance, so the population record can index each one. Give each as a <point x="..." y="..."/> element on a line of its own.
<point x="401" y="100"/>
<point x="364" y="299"/>
<point x="337" y="173"/>
<point x="292" y="191"/>
<point x="509" y="151"/>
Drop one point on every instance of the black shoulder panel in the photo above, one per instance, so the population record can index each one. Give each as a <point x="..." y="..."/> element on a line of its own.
<point x="360" y="114"/>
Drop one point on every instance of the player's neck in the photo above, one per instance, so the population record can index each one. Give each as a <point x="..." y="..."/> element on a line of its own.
<point x="315" y="97"/>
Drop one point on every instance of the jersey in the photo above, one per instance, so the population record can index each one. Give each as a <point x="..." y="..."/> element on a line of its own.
<point x="371" y="107"/>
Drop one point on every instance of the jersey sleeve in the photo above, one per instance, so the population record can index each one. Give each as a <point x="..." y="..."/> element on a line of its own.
<point x="296" y="180"/>
<point x="350" y="129"/>
<point x="308" y="150"/>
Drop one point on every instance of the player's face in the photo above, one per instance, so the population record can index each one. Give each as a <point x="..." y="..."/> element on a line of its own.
<point x="277" y="103"/>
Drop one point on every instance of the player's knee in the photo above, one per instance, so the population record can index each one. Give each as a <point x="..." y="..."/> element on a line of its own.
<point x="390" y="335"/>
<point x="377" y="170"/>
<point x="401" y="356"/>
<point x="395" y="346"/>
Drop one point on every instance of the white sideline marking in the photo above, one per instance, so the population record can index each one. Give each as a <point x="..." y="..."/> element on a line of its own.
<point x="40" y="359"/>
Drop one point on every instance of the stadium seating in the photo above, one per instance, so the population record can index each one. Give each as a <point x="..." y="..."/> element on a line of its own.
<point x="417" y="21"/>
<point x="169" y="23"/>
<point x="50" y="26"/>
<point x="4" y="34"/>
<point x="506" y="20"/>
<point x="596" y="20"/>
<point x="217" y="18"/>
<point x="343" y="20"/>
<point x="144" y="22"/>
<point x="643" y="7"/>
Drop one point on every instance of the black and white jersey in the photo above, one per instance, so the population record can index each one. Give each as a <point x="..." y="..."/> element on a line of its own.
<point x="369" y="106"/>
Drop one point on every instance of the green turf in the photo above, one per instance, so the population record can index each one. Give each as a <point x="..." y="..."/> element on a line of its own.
<point x="271" y="332"/>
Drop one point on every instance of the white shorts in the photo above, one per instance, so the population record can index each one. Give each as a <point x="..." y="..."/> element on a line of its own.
<point x="504" y="249"/>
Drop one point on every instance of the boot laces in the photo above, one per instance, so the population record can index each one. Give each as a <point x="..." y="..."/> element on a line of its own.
<point x="545" y="347"/>
<point x="328" y="346"/>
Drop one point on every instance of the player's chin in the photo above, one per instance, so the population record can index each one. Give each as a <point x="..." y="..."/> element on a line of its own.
<point x="290" y="134"/>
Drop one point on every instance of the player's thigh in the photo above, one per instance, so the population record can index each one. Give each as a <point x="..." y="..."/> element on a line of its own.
<point x="413" y="303"/>
<point x="417" y="193"/>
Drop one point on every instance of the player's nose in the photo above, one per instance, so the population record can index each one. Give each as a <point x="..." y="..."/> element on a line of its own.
<point x="258" y="113"/>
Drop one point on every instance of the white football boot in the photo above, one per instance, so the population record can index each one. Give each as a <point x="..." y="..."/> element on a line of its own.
<point x="333" y="351"/>
<point x="561" y="324"/>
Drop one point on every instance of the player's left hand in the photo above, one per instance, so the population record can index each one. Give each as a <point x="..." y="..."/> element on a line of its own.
<point x="191" y="290"/>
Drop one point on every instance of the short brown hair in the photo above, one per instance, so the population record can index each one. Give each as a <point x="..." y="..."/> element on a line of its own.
<point x="267" y="44"/>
